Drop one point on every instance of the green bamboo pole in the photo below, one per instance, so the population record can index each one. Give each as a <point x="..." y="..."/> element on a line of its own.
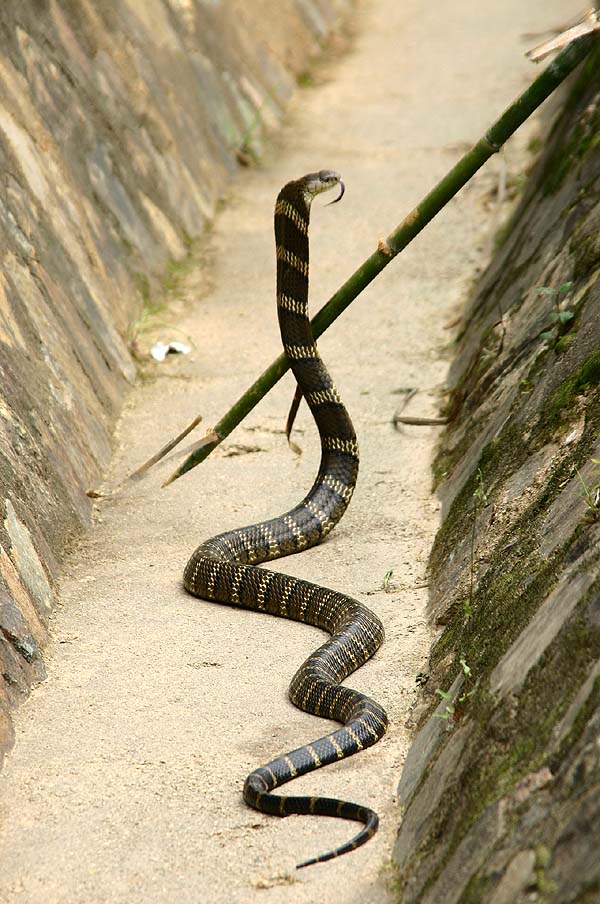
<point x="514" y="116"/>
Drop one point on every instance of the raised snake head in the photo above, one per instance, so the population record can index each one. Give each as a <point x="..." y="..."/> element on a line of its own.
<point x="315" y="183"/>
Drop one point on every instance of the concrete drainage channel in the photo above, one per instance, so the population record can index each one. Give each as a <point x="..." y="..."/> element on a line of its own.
<point x="124" y="783"/>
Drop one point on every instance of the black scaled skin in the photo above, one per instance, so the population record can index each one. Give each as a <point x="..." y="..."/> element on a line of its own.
<point x="223" y="569"/>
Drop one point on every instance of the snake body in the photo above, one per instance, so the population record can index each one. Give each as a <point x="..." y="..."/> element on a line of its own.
<point x="222" y="568"/>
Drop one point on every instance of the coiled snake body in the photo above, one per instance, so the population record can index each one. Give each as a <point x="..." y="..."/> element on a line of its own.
<point x="222" y="568"/>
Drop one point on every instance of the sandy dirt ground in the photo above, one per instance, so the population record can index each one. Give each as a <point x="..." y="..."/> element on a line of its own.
<point x="124" y="785"/>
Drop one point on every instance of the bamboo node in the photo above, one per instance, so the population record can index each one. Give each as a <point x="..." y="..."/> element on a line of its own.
<point x="494" y="147"/>
<point x="410" y="219"/>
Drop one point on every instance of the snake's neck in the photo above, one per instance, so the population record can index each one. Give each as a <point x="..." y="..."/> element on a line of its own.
<point x="292" y="217"/>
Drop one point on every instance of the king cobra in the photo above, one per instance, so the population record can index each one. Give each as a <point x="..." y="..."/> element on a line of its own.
<point x="222" y="568"/>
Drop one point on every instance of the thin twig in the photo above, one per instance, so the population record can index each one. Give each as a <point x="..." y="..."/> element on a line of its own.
<point x="419" y="421"/>
<point x="290" y="421"/>
<point x="139" y="472"/>
<point x="399" y="418"/>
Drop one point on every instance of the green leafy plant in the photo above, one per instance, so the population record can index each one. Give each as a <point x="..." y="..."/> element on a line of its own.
<point x="590" y="492"/>
<point x="450" y="708"/>
<point x="454" y="707"/>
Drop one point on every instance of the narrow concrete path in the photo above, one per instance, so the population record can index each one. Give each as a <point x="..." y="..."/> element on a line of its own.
<point x="124" y="784"/>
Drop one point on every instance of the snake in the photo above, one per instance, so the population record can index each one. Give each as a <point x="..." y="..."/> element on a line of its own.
<point x="223" y="568"/>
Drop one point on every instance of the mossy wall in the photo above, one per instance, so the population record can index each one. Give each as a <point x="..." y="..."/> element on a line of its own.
<point x="501" y="789"/>
<point x="121" y="124"/>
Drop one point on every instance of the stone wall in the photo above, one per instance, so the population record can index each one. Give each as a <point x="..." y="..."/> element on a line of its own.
<point x="121" y="123"/>
<point x="501" y="789"/>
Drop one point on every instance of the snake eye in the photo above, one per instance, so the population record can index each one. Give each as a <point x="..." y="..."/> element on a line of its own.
<point x="329" y="176"/>
<point x="315" y="183"/>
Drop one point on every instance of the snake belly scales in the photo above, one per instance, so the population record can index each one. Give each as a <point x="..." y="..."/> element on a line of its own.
<point x="222" y="568"/>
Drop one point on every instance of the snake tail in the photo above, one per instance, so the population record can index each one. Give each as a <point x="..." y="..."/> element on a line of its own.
<point x="223" y="567"/>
